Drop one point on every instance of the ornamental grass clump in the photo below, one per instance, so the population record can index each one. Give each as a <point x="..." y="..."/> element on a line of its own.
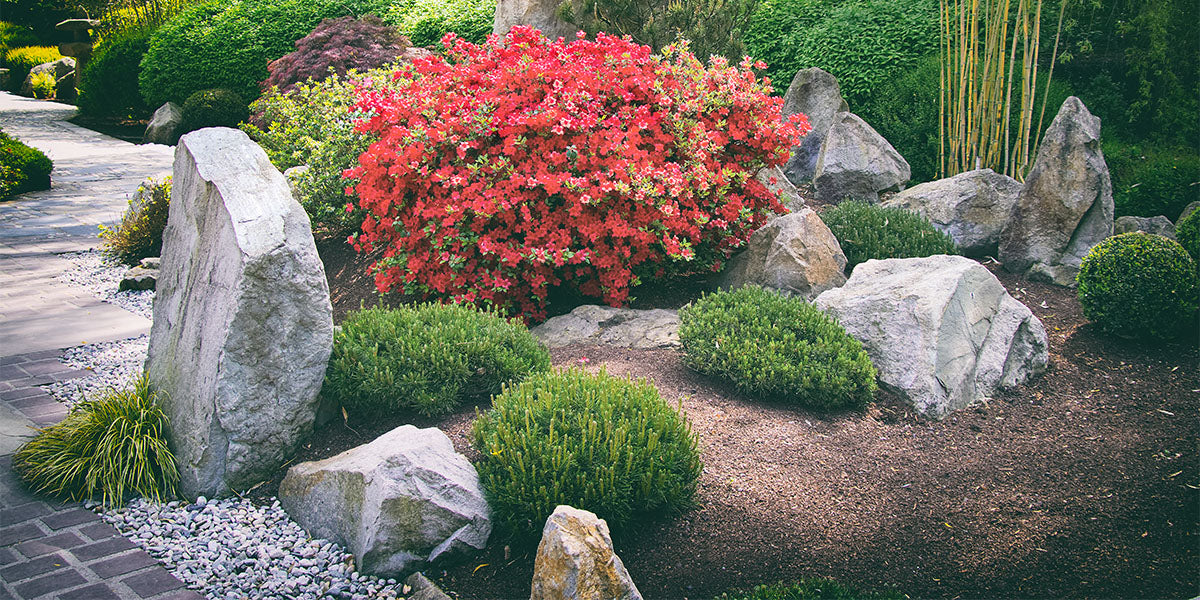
<point x="866" y="231"/>
<point x="428" y="358"/>
<point x="597" y="442"/>
<point x="777" y="346"/>
<point x="506" y="169"/>
<point x="140" y="232"/>
<point x="1140" y="285"/>
<point x="111" y="447"/>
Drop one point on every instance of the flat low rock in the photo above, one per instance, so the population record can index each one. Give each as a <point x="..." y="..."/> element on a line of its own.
<point x="795" y="254"/>
<point x="1159" y="225"/>
<point x="942" y="331"/>
<point x="608" y="326"/>
<point x="138" y="278"/>
<point x="575" y="560"/>
<point x="398" y="503"/>
<point x="856" y="162"/>
<point x="972" y="207"/>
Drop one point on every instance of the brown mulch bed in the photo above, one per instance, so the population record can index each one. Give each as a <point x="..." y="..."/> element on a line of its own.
<point x="1083" y="483"/>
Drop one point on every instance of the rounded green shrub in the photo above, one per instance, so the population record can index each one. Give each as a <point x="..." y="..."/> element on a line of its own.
<point x="1188" y="233"/>
<point x="605" y="444"/>
<point x="109" y="87"/>
<point x="428" y="357"/>
<point x="1139" y="285"/>
<point x="140" y="232"/>
<point x="777" y="346"/>
<point x="214" y="108"/>
<point x="20" y="61"/>
<point x="22" y="168"/>
<point x="426" y="21"/>
<point x="867" y="231"/>
<point x="110" y="447"/>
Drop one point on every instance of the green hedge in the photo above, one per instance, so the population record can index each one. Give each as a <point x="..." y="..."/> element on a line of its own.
<point x="109" y="87"/>
<point x="22" y="168"/>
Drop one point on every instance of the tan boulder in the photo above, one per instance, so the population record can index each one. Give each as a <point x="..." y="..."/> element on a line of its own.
<point x="796" y="254"/>
<point x="576" y="561"/>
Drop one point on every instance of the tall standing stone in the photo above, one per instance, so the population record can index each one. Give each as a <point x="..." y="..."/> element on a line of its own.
<point x="243" y="325"/>
<point x="1066" y="206"/>
<point x="814" y="93"/>
<point x="542" y="15"/>
<point x="575" y="560"/>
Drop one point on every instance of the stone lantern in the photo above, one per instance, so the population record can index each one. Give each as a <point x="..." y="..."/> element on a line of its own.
<point x="80" y="48"/>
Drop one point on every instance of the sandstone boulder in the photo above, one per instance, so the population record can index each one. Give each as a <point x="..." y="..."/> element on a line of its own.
<point x="795" y="254"/>
<point x="1159" y="225"/>
<point x="539" y="14"/>
<point x="243" y="326"/>
<point x="1066" y="206"/>
<point x="941" y="331"/>
<point x="165" y="125"/>
<point x="60" y="70"/>
<point x="816" y="94"/>
<point x="398" y="503"/>
<point x="575" y="560"/>
<point x="856" y="162"/>
<point x="608" y="326"/>
<point x="970" y="207"/>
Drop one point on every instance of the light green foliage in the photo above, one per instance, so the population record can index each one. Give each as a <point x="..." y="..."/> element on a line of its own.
<point x="110" y="447"/>
<point x="777" y="346"/>
<point x="44" y="85"/>
<point x="1152" y="179"/>
<point x="867" y="231"/>
<point x="812" y="589"/>
<point x="605" y="444"/>
<point x="1140" y="285"/>
<point x="22" y="168"/>
<point x="213" y="108"/>
<point x="110" y="79"/>
<point x="712" y="27"/>
<point x="426" y="21"/>
<point x="14" y="36"/>
<point x="1188" y="232"/>
<point x="20" y="61"/>
<point x="140" y="232"/>
<point x="428" y="357"/>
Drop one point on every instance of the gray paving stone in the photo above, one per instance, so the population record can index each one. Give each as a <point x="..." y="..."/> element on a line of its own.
<point x="69" y="518"/>
<point x="107" y="547"/>
<point x="152" y="583"/>
<point x="19" y="533"/>
<point x="99" y="531"/>
<point x="98" y="591"/>
<point x="32" y="568"/>
<point x="120" y="565"/>
<point x="50" y="583"/>
<point x="24" y="512"/>
<point x="54" y="543"/>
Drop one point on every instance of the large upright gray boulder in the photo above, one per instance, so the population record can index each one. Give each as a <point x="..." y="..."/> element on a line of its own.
<point x="816" y="94"/>
<point x="243" y="326"/>
<point x="796" y="254"/>
<point x="1066" y="206"/>
<point x="398" y="503"/>
<point x="164" y="127"/>
<point x="539" y="14"/>
<point x="575" y="560"/>
<point x="856" y="162"/>
<point x="970" y="207"/>
<point x="942" y="331"/>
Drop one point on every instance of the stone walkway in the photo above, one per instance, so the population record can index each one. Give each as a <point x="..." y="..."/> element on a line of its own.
<point x="51" y="549"/>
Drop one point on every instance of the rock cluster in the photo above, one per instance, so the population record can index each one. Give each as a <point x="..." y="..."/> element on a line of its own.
<point x="63" y="71"/>
<point x="816" y="94"/>
<point x="142" y="277"/>
<point x="856" y="162"/>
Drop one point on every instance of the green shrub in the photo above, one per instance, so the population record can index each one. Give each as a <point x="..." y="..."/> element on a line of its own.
<point x="1187" y="231"/>
<point x="426" y="21"/>
<point x="14" y="36"/>
<point x="867" y="231"/>
<point x="605" y="444"/>
<point x="43" y="85"/>
<point x="110" y="447"/>
<point x="213" y="108"/>
<point x="227" y="44"/>
<point x="140" y="232"/>
<point x="428" y="357"/>
<point x="712" y="27"/>
<point x="109" y="87"/>
<point x="777" y="346"/>
<point x="22" y="169"/>
<point x="21" y="61"/>
<point x="1152" y="179"/>
<point x="811" y="589"/>
<point x="1139" y="285"/>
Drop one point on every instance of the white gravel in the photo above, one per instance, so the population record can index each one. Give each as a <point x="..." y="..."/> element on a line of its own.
<point x="113" y="365"/>
<point x="91" y="270"/>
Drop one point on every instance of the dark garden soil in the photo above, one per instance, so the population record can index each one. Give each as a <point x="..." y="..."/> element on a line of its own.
<point x="130" y="130"/>
<point x="1084" y="483"/>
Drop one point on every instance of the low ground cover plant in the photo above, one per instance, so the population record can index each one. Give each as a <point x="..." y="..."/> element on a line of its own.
<point x="777" y="346"/>
<point x="816" y="588"/>
<point x="110" y="448"/>
<point x="867" y="231"/>
<point x="428" y="358"/>
<point x="1140" y="285"/>
<point x="337" y="46"/>
<point x="140" y="233"/>
<point x="20" y="61"/>
<point x="43" y="85"/>
<point x="22" y="168"/>
<point x="505" y="169"/>
<point x="601" y="443"/>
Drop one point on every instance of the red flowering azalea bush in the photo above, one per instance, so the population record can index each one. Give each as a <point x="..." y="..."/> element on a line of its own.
<point x="504" y="169"/>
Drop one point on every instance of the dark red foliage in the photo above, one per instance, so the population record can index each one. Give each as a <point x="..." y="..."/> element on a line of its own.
<point x="340" y="44"/>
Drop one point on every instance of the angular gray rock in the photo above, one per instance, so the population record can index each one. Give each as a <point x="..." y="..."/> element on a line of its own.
<point x="795" y="254"/>
<point x="60" y="69"/>
<point x="777" y="183"/>
<point x="856" y="162"/>
<point x="970" y="207"/>
<point x="1187" y="210"/>
<point x="816" y="94"/>
<point x="423" y="589"/>
<point x="138" y="278"/>
<point x="942" y="331"/>
<point x="243" y="326"/>
<point x="1066" y="206"/>
<point x="608" y="326"/>
<point x="1159" y="225"/>
<point x="575" y="560"/>
<point x="398" y="503"/>
<point x="539" y="14"/>
<point x="164" y="126"/>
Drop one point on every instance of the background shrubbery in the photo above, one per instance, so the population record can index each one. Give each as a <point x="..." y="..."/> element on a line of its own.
<point x="14" y="36"/>
<point x="109" y="87"/>
<point x="22" y="168"/>
<point x="713" y="27"/>
<point x="336" y="46"/>
<point x="1152" y="179"/>
<point x="213" y="108"/>
<point x="866" y="231"/>
<point x="20" y="61"/>
<point x="1188" y="232"/>
<point x="426" y="21"/>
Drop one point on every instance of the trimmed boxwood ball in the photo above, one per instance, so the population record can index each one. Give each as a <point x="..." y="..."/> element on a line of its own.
<point x="867" y="231"/>
<point x="214" y="108"/>
<point x="778" y="346"/>
<point x="597" y="442"/>
<point x="1188" y="233"/>
<point x="1139" y="285"/>
<point x="428" y="357"/>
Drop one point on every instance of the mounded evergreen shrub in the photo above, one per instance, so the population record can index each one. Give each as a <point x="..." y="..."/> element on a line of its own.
<point x="22" y="168"/>
<point x="109" y="87"/>
<point x="866" y="231"/>
<point x="777" y="346"/>
<point x="1187" y="231"/>
<point x="110" y="447"/>
<point x="601" y="443"/>
<point x="1139" y="285"/>
<point x="214" y="108"/>
<point x="427" y="358"/>
<point x="337" y="45"/>
<point x="425" y="22"/>
<point x="20" y="61"/>
<point x="140" y="232"/>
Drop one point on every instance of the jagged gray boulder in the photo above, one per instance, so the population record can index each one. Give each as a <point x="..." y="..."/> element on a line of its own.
<point x="60" y="70"/>
<point x="575" y="560"/>
<point x="243" y="326"/>
<point x="398" y="503"/>
<point x="856" y="162"/>
<point x="1187" y="210"/>
<point x="970" y="207"/>
<point x="1159" y="225"/>
<point x="942" y="331"/>
<point x="795" y="254"/>
<point x="1066" y="206"/>
<point x="816" y="94"/>
<point x="608" y="326"/>
<point x="539" y="14"/>
<point x="165" y="125"/>
<point x="777" y="183"/>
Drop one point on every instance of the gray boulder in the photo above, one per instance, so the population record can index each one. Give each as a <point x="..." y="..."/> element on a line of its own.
<point x="138" y="278"/>
<point x="777" y="183"/>
<point x="575" y="560"/>
<point x="243" y="326"/>
<point x="942" y="331"/>
<point x="63" y="71"/>
<point x="608" y="326"/>
<point x="164" y="127"/>
<point x="1187" y="210"/>
<point x="1066" y="206"/>
<point x="856" y="162"/>
<point x="1159" y="225"/>
<point x="816" y="94"/>
<point x="970" y="207"/>
<point x="795" y="254"/>
<point x="398" y="503"/>
<point x="539" y="14"/>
